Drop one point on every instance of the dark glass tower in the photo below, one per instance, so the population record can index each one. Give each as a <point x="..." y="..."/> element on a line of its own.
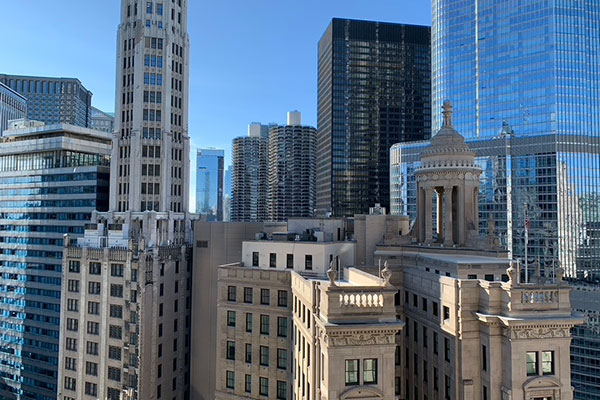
<point x="374" y="90"/>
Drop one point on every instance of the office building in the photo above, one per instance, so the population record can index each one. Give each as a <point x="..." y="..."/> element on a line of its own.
<point x="102" y="121"/>
<point x="209" y="183"/>
<point x="12" y="106"/>
<point x="557" y="176"/>
<point x="51" y="179"/>
<point x="585" y="347"/>
<point x="374" y="88"/>
<point x="53" y="100"/>
<point x="519" y="62"/>
<point x="291" y="175"/>
<point x="126" y="294"/>
<point x="250" y="174"/>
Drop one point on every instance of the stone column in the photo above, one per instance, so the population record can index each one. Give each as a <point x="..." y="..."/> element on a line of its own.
<point x="461" y="215"/>
<point x="420" y="215"/>
<point x="440" y="213"/>
<point x="448" y="240"/>
<point x="428" y="215"/>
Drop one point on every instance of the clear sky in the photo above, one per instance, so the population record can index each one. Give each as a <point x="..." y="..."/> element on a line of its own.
<point x="252" y="60"/>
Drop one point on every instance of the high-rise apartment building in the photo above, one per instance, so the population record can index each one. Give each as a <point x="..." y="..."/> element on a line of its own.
<point x="102" y="121"/>
<point x="374" y="90"/>
<point x="126" y="294"/>
<point x="52" y="177"/>
<point x="12" y="106"/>
<point x="250" y="174"/>
<point x="53" y="100"/>
<point x="518" y="62"/>
<point x="291" y="175"/>
<point x="209" y="183"/>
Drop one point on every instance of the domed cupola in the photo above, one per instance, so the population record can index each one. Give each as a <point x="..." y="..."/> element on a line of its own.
<point x="448" y="174"/>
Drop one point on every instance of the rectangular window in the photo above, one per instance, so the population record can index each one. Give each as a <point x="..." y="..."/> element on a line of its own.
<point x="148" y="7"/>
<point x="532" y="363"/>
<point x="273" y="260"/>
<point x="351" y="372"/>
<point x="447" y="387"/>
<point x="72" y="324"/>
<point x="263" y="386"/>
<point x="248" y="294"/>
<point x="231" y="293"/>
<point x="116" y="290"/>
<point x="72" y="305"/>
<point x="264" y="324"/>
<point x="446" y="349"/>
<point x="282" y="327"/>
<point x="116" y="311"/>
<point x="115" y="331"/>
<point x="370" y="371"/>
<point x="282" y="358"/>
<point x="114" y="353"/>
<point x="248" y="322"/>
<point x="93" y="328"/>
<point x="71" y="344"/>
<point x="91" y="368"/>
<point x="73" y="286"/>
<point x="248" y="357"/>
<point x="248" y="383"/>
<point x="281" y="390"/>
<point x="114" y="374"/>
<point x="264" y="356"/>
<point x="424" y="304"/>
<point x="265" y="296"/>
<point x="74" y="266"/>
<point x="435" y="342"/>
<point x="446" y="313"/>
<point x="255" y="258"/>
<point x="308" y="262"/>
<point x="230" y="379"/>
<point x="91" y="389"/>
<point x="93" y="308"/>
<point x="547" y="363"/>
<point x="92" y="348"/>
<point x="290" y="261"/>
<point x="484" y="357"/>
<point x="95" y="268"/>
<point x="435" y="310"/>
<point x="230" y="350"/>
<point x="70" y="364"/>
<point x="231" y="318"/>
<point x="282" y="298"/>
<point x="116" y="270"/>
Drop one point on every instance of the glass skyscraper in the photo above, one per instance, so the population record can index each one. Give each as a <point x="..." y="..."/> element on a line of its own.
<point x="374" y="89"/>
<point x="531" y="63"/>
<point x="51" y="180"/>
<point x="209" y="183"/>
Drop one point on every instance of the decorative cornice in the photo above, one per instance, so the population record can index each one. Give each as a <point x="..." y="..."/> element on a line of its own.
<point x="360" y="337"/>
<point x="548" y="332"/>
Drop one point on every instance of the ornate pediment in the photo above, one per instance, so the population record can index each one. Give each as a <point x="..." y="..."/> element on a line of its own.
<point x="362" y="392"/>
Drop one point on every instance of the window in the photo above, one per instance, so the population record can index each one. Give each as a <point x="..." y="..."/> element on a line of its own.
<point x="248" y="353"/>
<point x="248" y="322"/>
<point x="263" y="386"/>
<point x="72" y="324"/>
<point x="115" y="331"/>
<point x="397" y="356"/>
<point x="425" y="371"/>
<point x="447" y="387"/>
<point x="114" y="353"/>
<point x="93" y="328"/>
<point x="231" y="293"/>
<point x="92" y="348"/>
<point x="114" y="374"/>
<point x="489" y="277"/>
<point x="446" y="313"/>
<point x="70" y="364"/>
<point x="95" y="268"/>
<point x="265" y="295"/>
<point x="272" y="260"/>
<point x="264" y="356"/>
<point x="424" y="304"/>
<point x="230" y="350"/>
<point x="231" y="318"/>
<point x="70" y="383"/>
<point x="434" y="306"/>
<point x="308" y="262"/>
<point x="289" y="261"/>
<point x="484" y="390"/>
<point x="282" y="326"/>
<point x="116" y="311"/>
<point x="71" y="344"/>
<point x="91" y="368"/>
<point x="547" y="363"/>
<point x="281" y="390"/>
<point x="74" y="266"/>
<point x="446" y="349"/>
<point x="532" y="363"/>
<point x="73" y="286"/>
<point x="397" y="385"/>
<point x="116" y="290"/>
<point x="148" y="7"/>
<point x="230" y="379"/>
<point x="282" y="358"/>
<point x="93" y="308"/>
<point x="435" y="342"/>
<point x="116" y="270"/>
<point x="484" y="357"/>
<point x="351" y="372"/>
<point x="248" y="383"/>
<point x="248" y="294"/>
<point x="255" y="258"/>
<point x="282" y="298"/>
<point x="264" y="324"/>
<point x="94" y="288"/>
<point x="370" y="371"/>
<point x="425" y="337"/>
<point x="436" y="378"/>
<point x="415" y="300"/>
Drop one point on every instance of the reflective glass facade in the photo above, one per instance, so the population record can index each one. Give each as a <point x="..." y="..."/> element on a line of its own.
<point x="531" y="63"/>
<point x="374" y="90"/>
<point x="209" y="183"/>
<point x="557" y="176"/>
<point x="12" y="106"/>
<point x="53" y="100"/>
<point x="51" y="179"/>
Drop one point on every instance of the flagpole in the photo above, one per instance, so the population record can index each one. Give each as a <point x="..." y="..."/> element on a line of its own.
<point x="526" y="243"/>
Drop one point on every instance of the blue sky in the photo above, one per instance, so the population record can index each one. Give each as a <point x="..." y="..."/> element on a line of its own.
<point x="251" y="60"/>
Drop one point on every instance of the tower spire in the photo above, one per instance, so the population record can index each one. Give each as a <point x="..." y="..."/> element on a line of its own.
<point x="447" y="107"/>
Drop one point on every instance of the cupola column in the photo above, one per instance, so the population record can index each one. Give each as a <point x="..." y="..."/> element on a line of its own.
<point x="461" y="215"/>
<point x="448" y="240"/>
<point x="439" y="191"/>
<point x="428" y="215"/>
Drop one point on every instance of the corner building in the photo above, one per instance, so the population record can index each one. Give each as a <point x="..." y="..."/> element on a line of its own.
<point x="125" y="331"/>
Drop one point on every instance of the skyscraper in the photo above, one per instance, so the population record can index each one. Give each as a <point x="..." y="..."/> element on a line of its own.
<point x="373" y="91"/>
<point x="12" y="106"/>
<point x="530" y="63"/>
<point x="228" y="185"/>
<point x="53" y="100"/>
<point x="126" y="294"/>
<point x="209" y="183"/>
<point x="52" y="177"/>
<point x="250" y="175"/>
<point x="291" y="182"/>
<point x="103" y="121"/>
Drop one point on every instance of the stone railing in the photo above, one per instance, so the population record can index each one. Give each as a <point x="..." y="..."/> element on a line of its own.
<point x="539" y="296"/>
<point x="362" y="300"/>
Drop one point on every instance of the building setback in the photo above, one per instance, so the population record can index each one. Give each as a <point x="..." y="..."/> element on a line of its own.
<point x="374" y="90"/>
<point x="209" y="183"/>
<point x="291" y="181"/>
<point x="51" y="179"/>
<point x="53" y="100"/>
<point x="12" y="106"/>
<point x="126" y="295"/>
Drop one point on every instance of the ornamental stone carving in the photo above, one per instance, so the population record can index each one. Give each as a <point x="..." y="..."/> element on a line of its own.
<point x="538" y="333"/>
<point x="360" y="339"/>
